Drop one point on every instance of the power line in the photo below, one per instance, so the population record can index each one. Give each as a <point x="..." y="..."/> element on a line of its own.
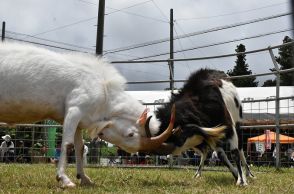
<point x="197" y="33"/>
<point x="191" y="40"/>
<point x="53" y="41"/>
<point x="142" y="16"/>
<point x="117" y="10"/>
<point x="65" y="26"/>
<point x="232" y="13"/>
<point x="205" y="58"/>
<point x="119" y="54"/>
<point x="181" y="46"/>
<point x="88" y="2"/>
<point x="92" y="18"/>
<point x="217" y="44"/>
<point x="130" y="13"/>
<point x="122" y="54"/>
<point x="161" y="12"/>
<point x="42" y="44"/>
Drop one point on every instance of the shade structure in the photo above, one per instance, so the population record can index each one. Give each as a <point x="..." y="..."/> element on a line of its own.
<point x="272" y="135"/>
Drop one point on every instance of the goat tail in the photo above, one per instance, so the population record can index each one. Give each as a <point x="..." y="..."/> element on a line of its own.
<point x="214" y="135"/>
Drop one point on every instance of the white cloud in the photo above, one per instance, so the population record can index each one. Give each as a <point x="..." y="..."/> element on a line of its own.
<point x="123" y="29"/>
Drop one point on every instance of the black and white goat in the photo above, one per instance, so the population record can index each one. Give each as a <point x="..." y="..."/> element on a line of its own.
<point x="206" y="100"/>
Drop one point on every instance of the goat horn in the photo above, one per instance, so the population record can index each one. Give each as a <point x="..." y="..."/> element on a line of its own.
<point x="152" y="143"/>
<point x="147" y="129"/>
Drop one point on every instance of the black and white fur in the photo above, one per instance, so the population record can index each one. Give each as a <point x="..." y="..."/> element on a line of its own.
<point x="208" y="99"/>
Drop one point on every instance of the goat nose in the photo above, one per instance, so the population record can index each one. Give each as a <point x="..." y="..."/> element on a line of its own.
<point x="100" y="134"/>
<point x="131" y="134"/>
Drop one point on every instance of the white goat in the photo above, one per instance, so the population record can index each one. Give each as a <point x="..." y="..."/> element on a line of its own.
<point x="80" y="91"/>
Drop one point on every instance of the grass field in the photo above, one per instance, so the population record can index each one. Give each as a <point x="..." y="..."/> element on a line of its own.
<point x="17" y="178"/>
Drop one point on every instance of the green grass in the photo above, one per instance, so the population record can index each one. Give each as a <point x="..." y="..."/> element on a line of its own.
<point x="17" y="178"/>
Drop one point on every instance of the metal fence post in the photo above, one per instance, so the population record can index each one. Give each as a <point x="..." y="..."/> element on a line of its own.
<point x="277" y="113"/>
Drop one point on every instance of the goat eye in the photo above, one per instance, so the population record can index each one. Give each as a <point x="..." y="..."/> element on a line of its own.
<point x="131" y="135"/>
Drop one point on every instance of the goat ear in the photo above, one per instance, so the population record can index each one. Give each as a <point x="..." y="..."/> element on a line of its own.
<point x="142" y="119"/>
<point x="104" y="124"/>
<point x="100" y="126"/>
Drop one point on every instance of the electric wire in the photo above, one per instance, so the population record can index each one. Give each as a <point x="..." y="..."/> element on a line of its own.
<point x="217" y="44"/>
<point x="53" y="41"/>
<point x="42" y="44"/>
<point x="134" y="5"/>
<point x="154" y="42"/>
<point x="142" y="16"/>
<point x="232" y="13"/>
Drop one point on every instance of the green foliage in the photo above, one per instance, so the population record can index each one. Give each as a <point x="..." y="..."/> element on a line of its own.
<point x="242" y="68"/>
<point x="5" y="130"/>
<point x="269" y="83"/>
<point x="285" y="59"/>
<point x="108" y="151"/>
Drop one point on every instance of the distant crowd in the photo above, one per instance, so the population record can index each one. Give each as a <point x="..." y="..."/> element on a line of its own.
<point x="37" y="153"/>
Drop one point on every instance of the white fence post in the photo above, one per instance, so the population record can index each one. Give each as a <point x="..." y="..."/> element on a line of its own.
<point x="277" y="114"/>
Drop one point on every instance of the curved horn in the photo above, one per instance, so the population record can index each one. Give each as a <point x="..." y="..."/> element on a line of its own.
<point x="147" y="130"/>
<point x="149" y="144"/>
<point x="142" y="119"/>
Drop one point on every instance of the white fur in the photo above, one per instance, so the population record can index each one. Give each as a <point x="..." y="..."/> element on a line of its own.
<point x="228" y="91"/>
<point x="81" y="91"/>
<point x="229" y="94"/>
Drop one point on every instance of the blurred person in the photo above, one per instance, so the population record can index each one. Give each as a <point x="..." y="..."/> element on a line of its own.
<point x="57" y="153"/>
<point x="7" y="149"/>
<point x="214" y="158"/>
<point x="85" y="153"/>
<point x="22" y="153"/>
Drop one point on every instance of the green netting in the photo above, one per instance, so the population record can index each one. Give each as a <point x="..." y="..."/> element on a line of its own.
<point x="51" y="138"/>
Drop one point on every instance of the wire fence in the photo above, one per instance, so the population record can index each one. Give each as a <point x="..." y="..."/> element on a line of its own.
<point x="35" y="144"/>
<point x="267" y="133"/>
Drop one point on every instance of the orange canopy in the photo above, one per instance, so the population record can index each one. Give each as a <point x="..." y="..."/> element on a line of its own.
<point x="261" y="138"/>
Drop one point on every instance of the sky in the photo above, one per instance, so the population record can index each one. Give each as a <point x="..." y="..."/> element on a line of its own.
<point x="72" y="24"/>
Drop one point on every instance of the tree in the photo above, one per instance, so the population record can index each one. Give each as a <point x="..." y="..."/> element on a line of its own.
<point x="285" y="59"/>
<point x="241" y="68"/>
<point x="269" y="83"/>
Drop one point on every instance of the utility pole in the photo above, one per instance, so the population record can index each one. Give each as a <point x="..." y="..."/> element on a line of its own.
<point x="100" y="27"/>
<point x="99" y="52"/>
<point x="3" y="32"/>
<point x="171" y="55"/>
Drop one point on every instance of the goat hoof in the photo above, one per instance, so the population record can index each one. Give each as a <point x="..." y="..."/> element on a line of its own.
<point x="58" y="178"/>
<point x="68" y="185"/>
<point x="252" y="176"/>
<point x="241" y="184"/>
<point x="65" y="182"/>
<point x="196" y="176"/>
<point x="86" y="181"/>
